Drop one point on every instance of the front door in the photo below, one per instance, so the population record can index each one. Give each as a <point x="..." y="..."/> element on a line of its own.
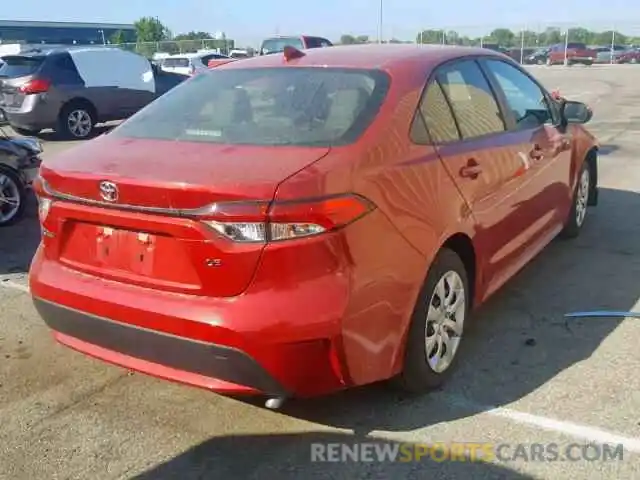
<point x="484" y="160"/>
<point x="546" y="148"/>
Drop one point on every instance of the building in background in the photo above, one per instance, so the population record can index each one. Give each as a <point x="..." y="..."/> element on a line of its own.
<point x="64" y="33"/>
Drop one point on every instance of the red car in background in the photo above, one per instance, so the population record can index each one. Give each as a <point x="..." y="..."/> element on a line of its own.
<point x="576" y="54"/>
<point x="296" y="224"/>
<point x="221" y="61"/>
<point x="630" y="56"/>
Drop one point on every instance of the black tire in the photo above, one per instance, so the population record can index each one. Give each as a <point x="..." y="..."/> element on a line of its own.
<point x="588" y="64"/>
<point x="418" y="376"/>
<point x="65" y="128"/>
<point x="27" y="132"/>
<point x="574" y="223"/>
<point x="13" y="177"/>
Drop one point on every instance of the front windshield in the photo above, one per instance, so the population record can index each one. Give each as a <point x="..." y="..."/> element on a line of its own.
<point x="265" y="106"/>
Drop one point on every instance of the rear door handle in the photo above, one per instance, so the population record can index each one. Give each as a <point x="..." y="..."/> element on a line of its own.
<point x="471" y="170"/>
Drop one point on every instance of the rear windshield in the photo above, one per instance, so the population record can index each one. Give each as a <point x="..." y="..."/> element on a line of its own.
<point x="18" y="66"/>
<point x="275" y="45"/>
<point x="265" y="106"/>
<point x="175" y="62"/>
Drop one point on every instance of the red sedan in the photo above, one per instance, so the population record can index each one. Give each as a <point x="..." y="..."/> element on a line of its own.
<point x="295" y="224"/>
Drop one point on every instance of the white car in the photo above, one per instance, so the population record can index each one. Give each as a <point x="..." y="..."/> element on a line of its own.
<point x="189" y="63"/>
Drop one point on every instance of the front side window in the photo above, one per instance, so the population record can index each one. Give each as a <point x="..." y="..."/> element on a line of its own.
<point x="265" y="106"/>
<point x="474" y="105"/>
<point x="525" y="99"/>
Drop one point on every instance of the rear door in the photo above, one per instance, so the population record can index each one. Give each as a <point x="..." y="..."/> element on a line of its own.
<point x="483" y="159"/>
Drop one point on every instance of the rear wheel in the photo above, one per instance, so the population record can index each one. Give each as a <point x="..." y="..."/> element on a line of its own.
<point x="13" y="196"/>
<point x="77" y="121"/>
<point x="437" y="326"/>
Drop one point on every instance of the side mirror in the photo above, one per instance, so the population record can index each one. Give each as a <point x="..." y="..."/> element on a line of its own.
<point x="576" y="112"/>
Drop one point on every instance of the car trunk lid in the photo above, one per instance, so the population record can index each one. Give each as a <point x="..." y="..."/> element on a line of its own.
<point x="147" y="236"/>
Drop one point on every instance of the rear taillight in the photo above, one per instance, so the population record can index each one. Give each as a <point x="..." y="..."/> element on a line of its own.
<point x="44" y="202"/>
<point x="37" y="85"/>
<point x="261" y="222"/>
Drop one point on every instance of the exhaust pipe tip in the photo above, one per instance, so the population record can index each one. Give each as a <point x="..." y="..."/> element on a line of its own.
<point x="274" y="403"/>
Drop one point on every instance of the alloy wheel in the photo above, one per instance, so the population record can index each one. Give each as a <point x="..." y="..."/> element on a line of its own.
<point x="445" y="321"/>
<point x="79" y="123"/>
<point x="10" y="200"/>
<point x="582" y="196"/>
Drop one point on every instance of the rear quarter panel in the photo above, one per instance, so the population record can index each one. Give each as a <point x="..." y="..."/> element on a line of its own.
<point x="418" y="207"/>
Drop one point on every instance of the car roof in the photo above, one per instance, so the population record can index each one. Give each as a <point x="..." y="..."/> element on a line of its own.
<point x="371" y="56"/>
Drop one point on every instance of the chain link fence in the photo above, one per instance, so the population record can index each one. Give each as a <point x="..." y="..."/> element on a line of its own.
<point x="523" y="41"/>
<point x="171" y="47"/>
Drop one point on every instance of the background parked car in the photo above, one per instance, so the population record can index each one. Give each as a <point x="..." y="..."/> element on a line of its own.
<point x="631" y="55"/>
<point x="537" y="57"/>
<point x="576" y="53"/>
<point x="19" y="164"/>
<point x="277" y="44"/>
<point x="518" y="54"/>
<point x="604" y="54"/>
<point x="190" y="63"/>
<point x="71" y="90"/>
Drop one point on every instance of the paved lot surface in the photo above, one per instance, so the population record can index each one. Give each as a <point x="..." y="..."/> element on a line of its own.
<point x="528" y="376"/>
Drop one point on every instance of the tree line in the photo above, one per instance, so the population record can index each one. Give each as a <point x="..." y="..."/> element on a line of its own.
<point x="152" y="30"/>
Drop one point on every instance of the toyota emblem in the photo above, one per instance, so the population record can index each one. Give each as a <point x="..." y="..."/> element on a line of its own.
<point x="109" y="191"/>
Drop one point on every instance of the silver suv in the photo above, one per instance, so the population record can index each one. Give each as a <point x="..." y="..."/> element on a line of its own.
<point x="71" y="90"/>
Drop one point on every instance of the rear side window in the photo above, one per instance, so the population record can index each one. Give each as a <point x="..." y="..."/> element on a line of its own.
<point x="437" y="116"/>
<point x="265" y="106"/>
<point x="20" y="66"/>
<point x="577" y="46"/>
<point x="474" y="105"/>
<point x="175" y="62"/>
<point x="275" y="45"/>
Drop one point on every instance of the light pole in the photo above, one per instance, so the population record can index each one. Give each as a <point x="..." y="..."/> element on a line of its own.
<point x="380" y="22"/>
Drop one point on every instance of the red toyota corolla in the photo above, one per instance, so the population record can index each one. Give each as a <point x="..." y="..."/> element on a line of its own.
<point x="294" y="224"/>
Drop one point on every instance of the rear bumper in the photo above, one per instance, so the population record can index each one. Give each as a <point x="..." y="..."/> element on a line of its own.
<point x="168" y="353"/>
<point x="281" y="343"/>
<point x="34" y="114"/>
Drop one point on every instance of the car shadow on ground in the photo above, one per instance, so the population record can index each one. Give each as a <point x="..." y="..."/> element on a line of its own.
<point x="51" y="136"/>
<point x="18" y="242"/>
<point x="608" y="149"/>
<point x="290" y="456"/>
<point x="520" y="339"/>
